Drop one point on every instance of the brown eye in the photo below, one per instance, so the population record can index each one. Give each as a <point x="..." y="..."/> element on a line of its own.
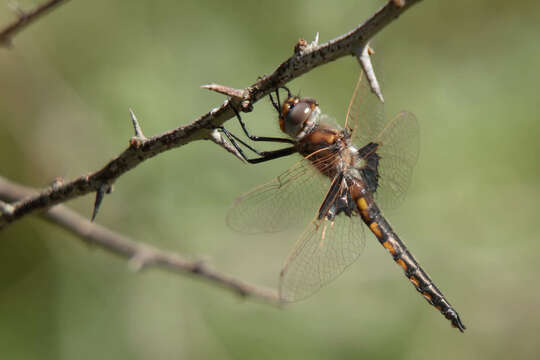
<point x="295" y="114"/>
<point x="298" y="114"/>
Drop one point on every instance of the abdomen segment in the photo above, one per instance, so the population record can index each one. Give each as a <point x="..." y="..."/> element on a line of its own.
<point x="372" y="217"/>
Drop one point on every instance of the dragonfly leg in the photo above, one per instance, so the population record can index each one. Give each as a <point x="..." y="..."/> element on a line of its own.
<point x="264" y="155"/>
<point x="258" y="138"/>
<point x="277" y="104"/>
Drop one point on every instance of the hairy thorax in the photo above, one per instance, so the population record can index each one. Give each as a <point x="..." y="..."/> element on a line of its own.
<point x="328" y="149"/>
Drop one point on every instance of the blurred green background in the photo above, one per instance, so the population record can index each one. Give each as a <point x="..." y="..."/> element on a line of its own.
<point x="468" y="70"/>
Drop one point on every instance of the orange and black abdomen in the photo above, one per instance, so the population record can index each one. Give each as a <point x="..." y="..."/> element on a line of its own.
<point x="372" y="217"/>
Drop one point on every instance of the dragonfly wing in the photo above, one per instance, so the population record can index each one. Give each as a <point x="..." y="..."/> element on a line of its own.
<point x="398" y="142"/>
<point x="365" y="115"/>
<point x="398" y="151"/>
<point x="290" y="200"/>
<point x="321" y="254"/>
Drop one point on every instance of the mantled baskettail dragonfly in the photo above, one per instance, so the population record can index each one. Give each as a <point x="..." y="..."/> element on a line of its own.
<point x="351" y="182"/>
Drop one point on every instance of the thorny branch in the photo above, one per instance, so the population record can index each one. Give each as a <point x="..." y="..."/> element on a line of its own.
<point x="25" y="19"/>
<point x="305" y="58"/>
<point x="141" y="255"/>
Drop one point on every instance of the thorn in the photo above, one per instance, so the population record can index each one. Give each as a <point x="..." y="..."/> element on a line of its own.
<point x="6" y="208"/>
<point x="315" y="42"/>
<point x="57" y="183"/>
<point x="246" y="106"/>
<point x="136" y="263"/>
<point x="364" y="59"/>
<point x="100" y="194"/>
<point x="225" y="90"/>
<point x="136" y="142"/>
<point x="302" y="46"/>
<point x="399" y="3"/>
<point x="138" y="131"/>
<point x="218" y="139"/>
<point x="142" y="257"/>
<point x="198" y="266"/>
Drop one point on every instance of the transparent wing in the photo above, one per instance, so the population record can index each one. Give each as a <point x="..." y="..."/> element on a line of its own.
<point x="321" y="254"/>
<point x="365" y="114"/>
<point x="398" y="151"/>
<point x="398" y="139"/>
<point x="292" y="199"/>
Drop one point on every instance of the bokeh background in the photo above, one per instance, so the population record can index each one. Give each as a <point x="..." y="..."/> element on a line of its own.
<point x="467" y="69"/>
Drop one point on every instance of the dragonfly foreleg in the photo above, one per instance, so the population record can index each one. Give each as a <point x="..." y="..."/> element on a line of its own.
<point x="254" y="137"/>
<point x="264" y="155"/>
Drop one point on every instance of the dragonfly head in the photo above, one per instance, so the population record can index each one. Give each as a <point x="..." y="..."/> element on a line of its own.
<point x="296" y="114"/>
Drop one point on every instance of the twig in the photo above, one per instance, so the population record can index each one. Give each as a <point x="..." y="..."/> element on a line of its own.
<point x="217" y="138"/>
<point x="25" y="19"/>
<point x="225" y="90"/>
<point x="364" y="58"/>
<point x="136" y="126"/>
<point x="303" y="60"/>
<point x="141" y="256"/>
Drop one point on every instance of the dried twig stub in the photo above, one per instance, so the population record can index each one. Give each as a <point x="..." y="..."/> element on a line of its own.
<point x="364" y="58"/>
<point x="136" y="125"/>
<point x="238" y="94"/>
<point x="217" y="138"/>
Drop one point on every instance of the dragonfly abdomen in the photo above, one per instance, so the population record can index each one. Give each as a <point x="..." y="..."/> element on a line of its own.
<point x="372" y="217"/>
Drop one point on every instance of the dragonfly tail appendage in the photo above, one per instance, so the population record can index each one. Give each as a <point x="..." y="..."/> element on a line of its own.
<point x="378" y="225"/>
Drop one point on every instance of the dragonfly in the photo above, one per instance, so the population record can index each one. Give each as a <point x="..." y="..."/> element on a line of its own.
<point x="344" y="175"/>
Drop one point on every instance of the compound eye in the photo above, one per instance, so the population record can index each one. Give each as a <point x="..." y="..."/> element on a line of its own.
<point x="298" y="114"/>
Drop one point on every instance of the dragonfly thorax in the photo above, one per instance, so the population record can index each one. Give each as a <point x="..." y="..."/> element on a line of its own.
<point x="329" y="149"/>
<point x="328" y="146"/>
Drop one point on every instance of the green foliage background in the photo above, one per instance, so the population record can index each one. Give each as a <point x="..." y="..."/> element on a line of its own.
<point x="467" y="69"/>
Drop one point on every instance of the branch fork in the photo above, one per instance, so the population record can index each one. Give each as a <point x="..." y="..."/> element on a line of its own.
<point x="24" y="19"/>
